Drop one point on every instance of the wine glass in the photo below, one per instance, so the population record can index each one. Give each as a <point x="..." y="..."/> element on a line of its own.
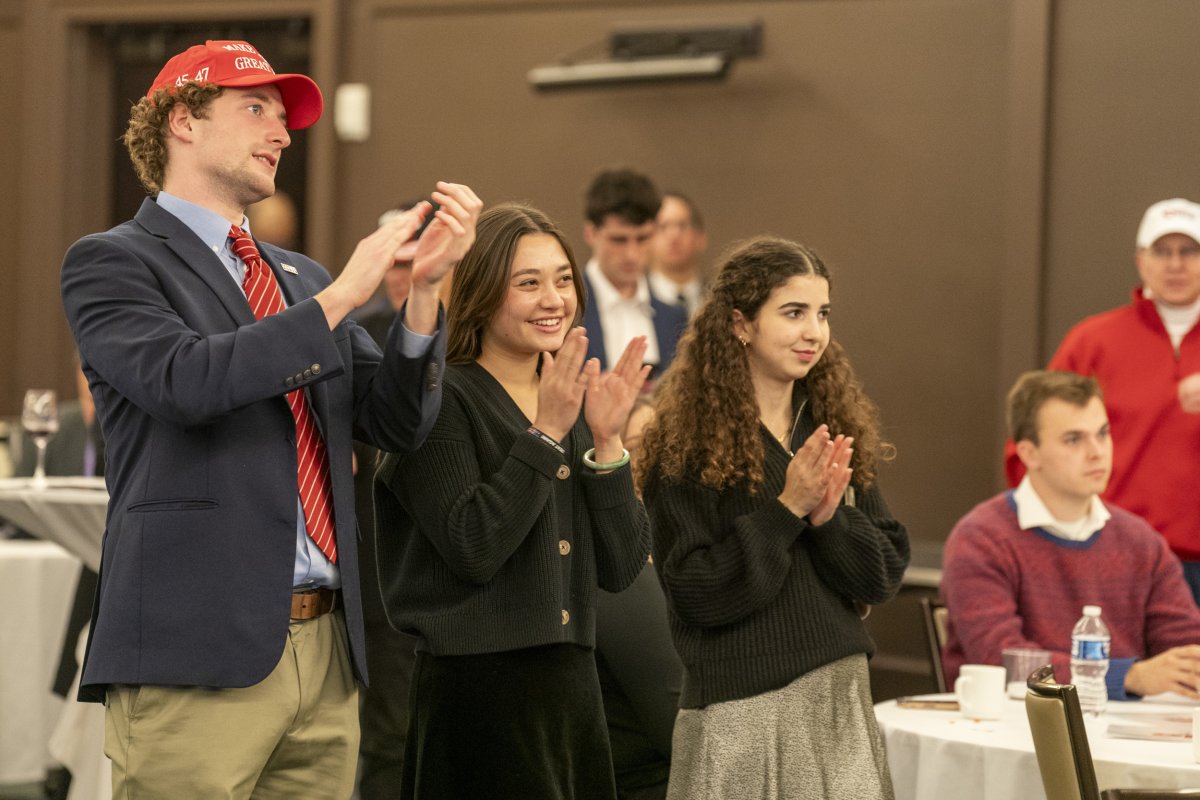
<point x="39" y="418"/>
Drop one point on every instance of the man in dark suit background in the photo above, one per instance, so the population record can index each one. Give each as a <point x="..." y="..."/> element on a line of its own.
<point x="621" y="207"/>
<point x="676" y="274"/>
<point x="227" y="633"/>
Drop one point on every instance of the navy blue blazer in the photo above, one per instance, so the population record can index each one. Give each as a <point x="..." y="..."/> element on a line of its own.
<point x="669" y="324"/>
<point x="200" y="544"/>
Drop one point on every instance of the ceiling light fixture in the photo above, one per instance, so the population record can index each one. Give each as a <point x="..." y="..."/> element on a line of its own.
<point x="644" y="54"/>
<point x="637" y="70"/>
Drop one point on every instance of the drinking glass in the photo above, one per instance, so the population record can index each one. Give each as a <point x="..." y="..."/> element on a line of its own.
<point x="39" y="418"/>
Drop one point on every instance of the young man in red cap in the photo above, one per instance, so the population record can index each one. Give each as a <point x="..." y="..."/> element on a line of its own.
<point x="227" y="633"/>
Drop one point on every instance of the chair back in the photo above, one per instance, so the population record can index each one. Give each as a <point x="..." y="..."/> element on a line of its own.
<point x="934" y="614"/>
<point x="1059" y="738"/>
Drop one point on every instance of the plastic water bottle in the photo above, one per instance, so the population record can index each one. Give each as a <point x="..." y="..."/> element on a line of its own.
<point x="1090" y="642"/>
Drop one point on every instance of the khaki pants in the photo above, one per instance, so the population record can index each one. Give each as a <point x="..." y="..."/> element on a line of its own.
<point x="294" y="735"/>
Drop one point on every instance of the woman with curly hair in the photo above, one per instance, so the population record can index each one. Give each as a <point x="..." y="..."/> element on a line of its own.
<point x="501" y="528"/>
<point x="771" y="539"/>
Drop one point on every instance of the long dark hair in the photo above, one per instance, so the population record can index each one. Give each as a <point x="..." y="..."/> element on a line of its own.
<point x="707" y="423"/>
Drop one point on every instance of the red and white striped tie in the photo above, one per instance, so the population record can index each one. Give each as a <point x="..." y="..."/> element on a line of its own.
<point x="316" y="491"/>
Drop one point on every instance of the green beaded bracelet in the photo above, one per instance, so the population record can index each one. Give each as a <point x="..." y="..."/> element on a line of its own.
<point x="622" y="461"/>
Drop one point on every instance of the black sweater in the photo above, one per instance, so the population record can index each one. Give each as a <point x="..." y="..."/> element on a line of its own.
<point x="511" y="538"/>
<point x="758" y="596"/>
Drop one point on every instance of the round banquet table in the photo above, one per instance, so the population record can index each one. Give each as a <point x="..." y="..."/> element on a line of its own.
<point x="939" y="754"/>
<point x="68" y="511"/>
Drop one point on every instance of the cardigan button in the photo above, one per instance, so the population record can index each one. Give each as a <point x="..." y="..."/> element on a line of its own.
<point x="564" y="547"/>
<point x="563" y="473"/>
<point x="566" y="616"/>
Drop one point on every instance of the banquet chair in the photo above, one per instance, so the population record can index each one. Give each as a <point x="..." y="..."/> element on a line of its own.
<point x="934" y="614"/>
<point x="1060" y="742"/>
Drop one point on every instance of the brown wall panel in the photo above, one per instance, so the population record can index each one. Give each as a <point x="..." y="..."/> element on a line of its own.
<point x="1124" y="133"/>
<point x="10" y="267"/>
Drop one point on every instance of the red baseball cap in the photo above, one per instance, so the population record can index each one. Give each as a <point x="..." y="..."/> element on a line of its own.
<point x="240" y="65"/>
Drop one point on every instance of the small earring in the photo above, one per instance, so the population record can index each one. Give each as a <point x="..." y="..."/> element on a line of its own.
<point x="743" y="341"/>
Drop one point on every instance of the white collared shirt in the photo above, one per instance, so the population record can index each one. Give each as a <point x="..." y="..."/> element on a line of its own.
<point x="213" y="230"/>
<point x="1032" y="513"/>
<point x="671" y="292"/>
<point x="622" y="318"/>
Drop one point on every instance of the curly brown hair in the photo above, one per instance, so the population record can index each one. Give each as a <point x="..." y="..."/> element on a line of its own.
<point x="481" y="279"/>
<point x="146" y="135"/>
<point x="708" y="415"/>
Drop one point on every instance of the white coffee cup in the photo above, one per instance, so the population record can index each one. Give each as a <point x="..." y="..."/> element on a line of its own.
<point x="980" y="691"/>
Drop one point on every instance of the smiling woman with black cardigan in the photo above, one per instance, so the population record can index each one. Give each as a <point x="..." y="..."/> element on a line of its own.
<point x="495" y="535"/>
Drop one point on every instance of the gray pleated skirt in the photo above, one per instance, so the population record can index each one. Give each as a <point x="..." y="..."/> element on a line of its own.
<point x="814" y="738"/>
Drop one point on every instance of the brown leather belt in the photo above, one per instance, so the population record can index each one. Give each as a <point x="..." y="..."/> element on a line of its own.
<point x="310" y="603"/>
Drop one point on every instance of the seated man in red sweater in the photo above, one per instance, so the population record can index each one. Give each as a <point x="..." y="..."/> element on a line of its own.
<point x="1146" y="356"/>
<point x="1019" y="567"/>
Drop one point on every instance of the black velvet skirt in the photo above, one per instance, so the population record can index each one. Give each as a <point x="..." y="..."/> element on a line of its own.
<point x="525" y="724"/>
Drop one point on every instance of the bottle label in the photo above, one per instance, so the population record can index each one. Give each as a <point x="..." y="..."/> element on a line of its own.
<point x="1090" y="649"/>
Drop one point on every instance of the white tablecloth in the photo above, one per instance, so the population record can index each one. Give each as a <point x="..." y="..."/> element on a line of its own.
<point x="940" y="754"/>
<point x="37" y="585"/>
<point x="78" y="742"/>
<point x="68" y="511"/>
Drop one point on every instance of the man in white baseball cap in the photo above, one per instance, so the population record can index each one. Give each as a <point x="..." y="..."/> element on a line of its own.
<point x="1146" y="356"/>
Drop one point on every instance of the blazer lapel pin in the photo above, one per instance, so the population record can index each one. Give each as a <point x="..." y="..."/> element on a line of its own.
<point x="289" y="268"/>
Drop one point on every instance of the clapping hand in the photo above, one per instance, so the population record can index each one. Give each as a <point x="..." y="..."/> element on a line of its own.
<point x="610" y="399"/>
<point x="449" y="235"/>
<point x="563" y="382"/>
<point x="372" y="257"/>
<point x="839" y="478"/>
<point x="817" y="476"/>
<point x="444" y="242"/>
